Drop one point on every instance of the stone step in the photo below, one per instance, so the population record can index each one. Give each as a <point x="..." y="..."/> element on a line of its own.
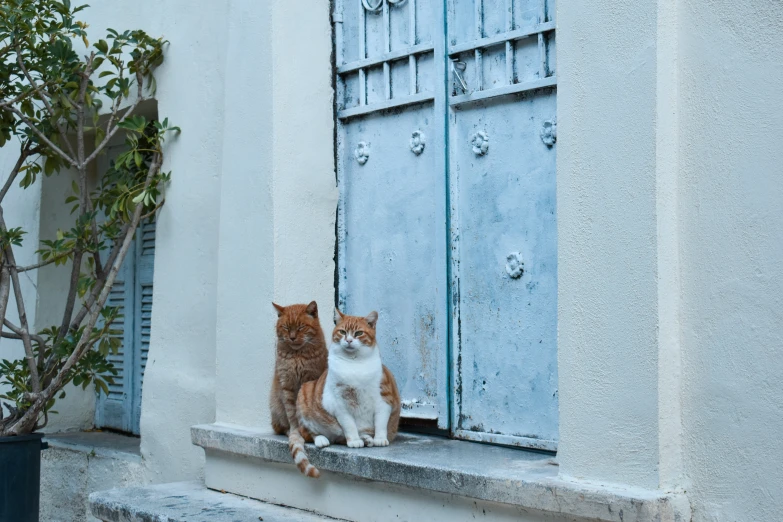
<point x="188" y="502"/>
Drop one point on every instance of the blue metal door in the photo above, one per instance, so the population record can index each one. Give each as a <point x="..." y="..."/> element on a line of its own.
<point x="446" y="223"/>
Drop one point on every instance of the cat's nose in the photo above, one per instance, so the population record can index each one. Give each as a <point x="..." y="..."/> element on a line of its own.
<point x="292" y="336"/>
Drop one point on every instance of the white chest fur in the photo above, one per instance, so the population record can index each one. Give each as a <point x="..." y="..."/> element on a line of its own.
<point x="353" y="387"/>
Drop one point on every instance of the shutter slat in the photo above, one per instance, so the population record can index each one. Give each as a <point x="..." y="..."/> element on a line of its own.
<point x="148" y="239"/>
<point x="117" y="299"/>
<point x="146" y="325"/>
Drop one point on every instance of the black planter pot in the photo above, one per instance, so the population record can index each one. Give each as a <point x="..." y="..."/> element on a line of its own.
<point x="20" y="477"/>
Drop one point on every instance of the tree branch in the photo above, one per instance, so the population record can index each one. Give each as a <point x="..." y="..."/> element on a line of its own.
<point x="43" y="98"/>
<point x="76" y="270"/>
<point x="41" y="135"/>
<point x="49" y="261"/>
<point x="16" y="333"/>
<point x="110" y="132"/>
<point x="152" y="212"/>
<point x="87" y="306"/>
<point x="25" y="333"/>
<point x="5" y="291"/>
<point x="21" y="96"/>
<point x="78" y="254"/>
<point x="23" y="155"/>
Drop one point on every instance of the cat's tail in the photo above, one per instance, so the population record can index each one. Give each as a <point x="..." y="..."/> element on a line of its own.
<point x="296" y="445"/>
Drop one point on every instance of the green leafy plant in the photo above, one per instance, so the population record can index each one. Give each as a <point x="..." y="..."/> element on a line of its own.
<point x="61" y="110"/>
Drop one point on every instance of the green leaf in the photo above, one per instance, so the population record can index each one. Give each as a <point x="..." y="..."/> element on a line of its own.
<point x="50" y="165"/>
<point x="102" y="386"/>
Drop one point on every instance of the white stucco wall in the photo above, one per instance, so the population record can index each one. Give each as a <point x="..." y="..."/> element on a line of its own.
<point x="278" y="192"/>
<point x="731" y="252"/>
<point x="607" y="241"/>
<point x="179" y="379"/>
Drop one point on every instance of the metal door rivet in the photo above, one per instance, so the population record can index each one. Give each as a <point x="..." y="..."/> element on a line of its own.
<point x="549" y="132"/>
<point x="514" y="265"/>
<point x="417" y="142"/>
<point x="480" y="142"/>
<point x="362" y="152"/>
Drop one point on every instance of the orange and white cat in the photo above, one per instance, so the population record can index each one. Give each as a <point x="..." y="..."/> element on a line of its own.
<point x="356" y="401"/>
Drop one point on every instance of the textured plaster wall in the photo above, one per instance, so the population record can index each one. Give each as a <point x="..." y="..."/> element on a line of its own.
<point x="278" y="192"/>
<point x="731" y="252"/>
<point x="607" y="230"/>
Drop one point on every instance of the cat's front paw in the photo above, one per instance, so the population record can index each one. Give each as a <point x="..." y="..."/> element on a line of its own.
<point x="380" y="441"/>
<point x="355" y="443"/>
<point x="321" y="441"/>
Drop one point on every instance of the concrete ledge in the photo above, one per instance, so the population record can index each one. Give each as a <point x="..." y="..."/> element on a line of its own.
<point x="187" y="502"/>
<point x="491" y="473"/>
<point x="98" y="443"/>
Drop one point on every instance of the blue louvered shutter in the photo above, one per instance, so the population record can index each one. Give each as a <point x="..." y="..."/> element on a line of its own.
<point x="132" y="292"/>
<point x="113" y="410"/>
<point x="145" y="261"/>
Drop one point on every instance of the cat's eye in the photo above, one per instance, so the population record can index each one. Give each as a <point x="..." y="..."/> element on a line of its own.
<point x="285" y="328"/>
<point x="358" y="334"/>
<point x="341" y="332"/>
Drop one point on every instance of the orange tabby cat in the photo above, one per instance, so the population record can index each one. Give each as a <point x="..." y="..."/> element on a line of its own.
<point x="356" y="401"/>
<point x="301" y="357"/>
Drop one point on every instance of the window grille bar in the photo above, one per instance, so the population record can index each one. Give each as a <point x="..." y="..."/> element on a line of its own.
<point x="518" y="34"/>
<point x="399" y="54"/>
<point x="509" y="45"/>
<point x="479" y="20"/>
<point x="386" y="50"/>
<point x="362" y="54"/>
<point x="412" y="42"/>
<point x="541" y="49"/>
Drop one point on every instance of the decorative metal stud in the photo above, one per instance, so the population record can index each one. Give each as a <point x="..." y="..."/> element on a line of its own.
<point x="417" y="142"/>
<point x="549" y="132"/>
<point x="514" y="265"/>
<point x="362" y="152"/>
<point x="480" y="142"/>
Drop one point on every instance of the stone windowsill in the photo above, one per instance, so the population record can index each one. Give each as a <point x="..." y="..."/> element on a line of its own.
<point x="98" y="443"/>
<point x="480" y="471"/>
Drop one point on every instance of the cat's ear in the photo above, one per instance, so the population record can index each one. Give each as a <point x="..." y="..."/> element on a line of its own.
<point x="338" y="316"/>
<point x="280" y="309"/>
<point x="372" y="319"/>
<point x="312" y="309"/>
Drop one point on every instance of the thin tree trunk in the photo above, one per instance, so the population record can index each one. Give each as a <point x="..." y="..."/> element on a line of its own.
<point x="5" y="291"/>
